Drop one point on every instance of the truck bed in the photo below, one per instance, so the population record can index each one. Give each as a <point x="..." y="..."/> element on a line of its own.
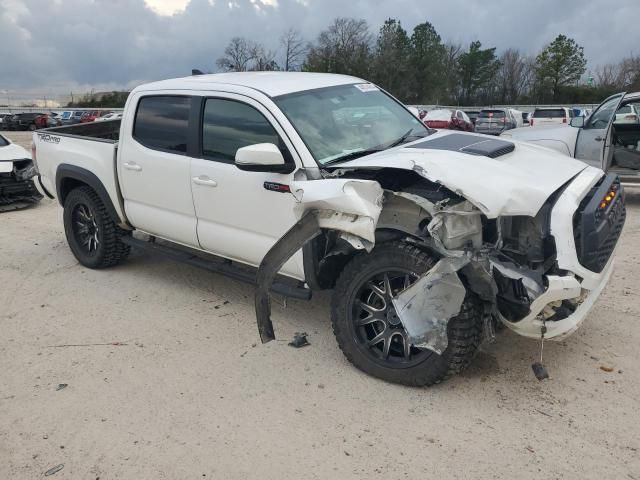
<point x="89" y="149"/>
<point x="107" y="131"/>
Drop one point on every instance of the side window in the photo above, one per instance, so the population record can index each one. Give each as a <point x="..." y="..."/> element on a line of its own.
<point x="602" y="116"/>
<point x="228" y="125"/>
<point x="161" y="123"/>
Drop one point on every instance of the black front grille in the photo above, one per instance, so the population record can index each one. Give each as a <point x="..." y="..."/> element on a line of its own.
<point x="596" y="230"/>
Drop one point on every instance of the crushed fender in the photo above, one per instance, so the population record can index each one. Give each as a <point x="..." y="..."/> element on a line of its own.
<point x="346" y="205"/>
<point x="426" y="306"/>
<point x="303" y="231"/>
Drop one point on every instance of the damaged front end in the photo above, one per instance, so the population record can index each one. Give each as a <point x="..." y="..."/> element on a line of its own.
<point x="509" y="263"/>
<point x="17" y="188"/>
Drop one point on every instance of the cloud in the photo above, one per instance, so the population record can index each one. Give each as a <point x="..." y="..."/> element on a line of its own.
<point x="76" y="45"/>
<point x="167" y="7"/>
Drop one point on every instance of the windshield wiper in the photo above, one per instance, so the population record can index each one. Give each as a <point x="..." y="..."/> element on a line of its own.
<point x="368" y="151"/>
<point x="404" y="137"/>
<point x="353" y="155"/>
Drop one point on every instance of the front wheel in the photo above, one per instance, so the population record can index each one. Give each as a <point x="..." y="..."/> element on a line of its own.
<point x="370" y="333"/>
<point x="93" y="236"/>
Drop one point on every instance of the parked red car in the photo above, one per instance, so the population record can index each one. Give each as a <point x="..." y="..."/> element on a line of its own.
<point x="92" y="115"/>
<point x="449" y="119"/>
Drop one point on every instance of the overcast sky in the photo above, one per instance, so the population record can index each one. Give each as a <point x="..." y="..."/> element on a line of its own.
<point x="57" y="46"/>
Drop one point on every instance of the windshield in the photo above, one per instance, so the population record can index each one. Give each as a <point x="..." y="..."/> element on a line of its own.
<point x="3" y="141"/>
<point x="338" y="121"/>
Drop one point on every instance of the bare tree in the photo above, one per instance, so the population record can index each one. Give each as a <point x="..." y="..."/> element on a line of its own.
<point x="294" y="49"/>
<point x="344" y="47"/>
<point x="263" y="60"/>
<point x="239" y="55"/>
<point x="608" y="75"/>
<point x="515" y="76"/>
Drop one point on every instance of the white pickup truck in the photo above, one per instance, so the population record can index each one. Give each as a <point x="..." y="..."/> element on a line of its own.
<point x="608" y="139"/>
<point x="299" y="182"/>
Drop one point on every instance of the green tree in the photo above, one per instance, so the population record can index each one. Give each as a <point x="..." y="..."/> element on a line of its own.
<point x="427" y="54"/>
<point x="561" y="63"/>
<point x="390" y="65"/>
<point x="478" y="68"/>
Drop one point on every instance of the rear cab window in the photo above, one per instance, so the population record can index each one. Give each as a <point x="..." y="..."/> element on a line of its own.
<point x="549" y="113"/>
<point x="161" y="123"/>
<point x="491" y="114"/>
<point x="228" y="125"/>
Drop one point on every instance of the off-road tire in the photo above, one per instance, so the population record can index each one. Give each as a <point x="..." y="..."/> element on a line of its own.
<point x="110" y="250"/>
<point x="464" y="330"/>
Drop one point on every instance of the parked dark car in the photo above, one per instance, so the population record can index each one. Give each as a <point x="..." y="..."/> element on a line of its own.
<point x="26" y="121"/>
<point x="495" y="121"/>
<point x="3" y="124"/>
<point x="473" y="115"/>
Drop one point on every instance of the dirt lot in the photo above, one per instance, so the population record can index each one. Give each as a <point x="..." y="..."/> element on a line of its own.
<point x="167" y="380"/>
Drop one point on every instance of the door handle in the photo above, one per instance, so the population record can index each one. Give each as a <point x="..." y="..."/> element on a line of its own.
<point x="598" y="139"/>
<point x="205" y="181"/>
<point x="132" y="166"/>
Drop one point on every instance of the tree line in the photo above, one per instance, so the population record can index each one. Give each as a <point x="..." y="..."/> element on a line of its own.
<point x="421" y="68"/>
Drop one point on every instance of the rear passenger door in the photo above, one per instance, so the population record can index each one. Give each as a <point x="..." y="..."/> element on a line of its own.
<point x="154" y="169"/>
<point x="240" y="214"/>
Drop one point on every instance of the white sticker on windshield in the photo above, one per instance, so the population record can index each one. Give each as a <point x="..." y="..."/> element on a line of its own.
<point x="366" y="87"/>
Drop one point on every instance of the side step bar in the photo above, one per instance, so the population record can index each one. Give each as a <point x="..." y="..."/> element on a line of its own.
<point x="224" y="267"/>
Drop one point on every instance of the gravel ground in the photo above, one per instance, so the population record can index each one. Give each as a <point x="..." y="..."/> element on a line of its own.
<point x="166" y="379"/>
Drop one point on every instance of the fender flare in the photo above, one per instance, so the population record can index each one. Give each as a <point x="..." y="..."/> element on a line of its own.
<point x="66" y="171"/>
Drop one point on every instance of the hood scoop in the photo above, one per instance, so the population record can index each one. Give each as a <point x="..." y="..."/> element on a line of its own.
<point x="471" y="144"/>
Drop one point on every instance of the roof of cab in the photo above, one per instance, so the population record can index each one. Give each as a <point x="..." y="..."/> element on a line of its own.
<point x="272" y="84"/>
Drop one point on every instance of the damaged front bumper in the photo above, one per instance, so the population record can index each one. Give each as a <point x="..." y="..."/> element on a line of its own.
<point x="17" y="188"/>
<point x="567" y="299"/>
<point x="560" y="292"/>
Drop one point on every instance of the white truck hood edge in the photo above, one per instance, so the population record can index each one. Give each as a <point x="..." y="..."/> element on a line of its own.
<point x="558" y="138"/>
<point x="13" y="152"/>
<point x="517" y="183"/>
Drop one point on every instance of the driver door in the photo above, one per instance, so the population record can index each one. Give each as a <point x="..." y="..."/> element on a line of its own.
<point x="241" y="214"/>
<point x="594" y="139"/>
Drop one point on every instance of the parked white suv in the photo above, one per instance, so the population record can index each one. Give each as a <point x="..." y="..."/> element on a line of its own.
<point x="326" y="182"/>
<point x="549" y="116"/>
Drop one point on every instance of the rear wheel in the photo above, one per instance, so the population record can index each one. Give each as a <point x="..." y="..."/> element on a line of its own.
<point x="370" y="333"/>
<point x="92" y="235"/>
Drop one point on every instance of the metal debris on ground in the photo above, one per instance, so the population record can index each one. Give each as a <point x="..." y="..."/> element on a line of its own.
<point x="53" y="470"/>
<point x="606" y="369"/>
<point x="112" y="344"/>
<point x="299" y="340"/>
<point x="61" y="386"/>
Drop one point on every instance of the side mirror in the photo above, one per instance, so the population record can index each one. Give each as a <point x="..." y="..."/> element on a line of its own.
<point x="262" y="157"/>
<point x="577" y="122"/>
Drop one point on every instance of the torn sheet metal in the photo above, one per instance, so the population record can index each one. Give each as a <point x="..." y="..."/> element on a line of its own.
<point x="531" y="280"/>
<point x="346" y="205"/>
<point x="451" y="227"/>
<point x="426" y="306"/>
<point x="303" y="231"/>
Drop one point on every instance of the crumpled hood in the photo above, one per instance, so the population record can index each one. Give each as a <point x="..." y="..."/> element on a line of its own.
<point x="13" y="152"/>
<point x="515" y="183"/>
